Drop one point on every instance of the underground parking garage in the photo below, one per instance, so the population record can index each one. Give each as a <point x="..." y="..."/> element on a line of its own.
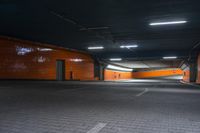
<point x="125" y="66"/>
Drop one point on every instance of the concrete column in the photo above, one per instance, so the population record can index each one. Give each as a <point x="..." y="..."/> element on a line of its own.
<point x="99" y="70"/>
<point x="102" y="67"/>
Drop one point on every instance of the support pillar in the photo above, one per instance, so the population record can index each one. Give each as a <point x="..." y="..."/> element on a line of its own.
<point x="99" y="70"/>
<point x="102" y="67"/>
<point x="193" y="69"/>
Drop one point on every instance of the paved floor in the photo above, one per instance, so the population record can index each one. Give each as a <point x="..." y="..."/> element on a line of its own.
<point x="96" y="107"/>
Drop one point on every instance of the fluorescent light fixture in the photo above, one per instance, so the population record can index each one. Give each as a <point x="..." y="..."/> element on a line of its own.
<point x="168" y="23"/>
<point x="128" y="46"/>
<point x="119" y="68"/>
<point x="115" y="59"/>
<point x="76" y="60"/>
<point x="170" y="57"/>
<point x="97" y="47"/>
<point x="44" y="49"/>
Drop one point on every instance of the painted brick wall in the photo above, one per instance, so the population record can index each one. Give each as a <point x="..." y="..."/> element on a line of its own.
<point x="21" y="59"/>
<point x="116" y="75"/>
<point x="157" y="73"/>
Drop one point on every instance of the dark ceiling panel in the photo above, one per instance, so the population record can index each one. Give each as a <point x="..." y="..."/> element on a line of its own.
<point x="78" y="24"/>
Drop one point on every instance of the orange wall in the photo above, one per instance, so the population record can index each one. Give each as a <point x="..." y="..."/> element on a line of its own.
<point x="116" y="75"/>
<point x="157" y="73"/>
<point x="186" y="75"/>
<point x="29" y="60"/>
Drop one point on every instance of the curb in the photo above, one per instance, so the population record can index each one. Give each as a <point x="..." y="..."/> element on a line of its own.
<point x="191" y="84"/>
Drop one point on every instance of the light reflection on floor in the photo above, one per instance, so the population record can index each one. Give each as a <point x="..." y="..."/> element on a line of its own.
<point x="156" y="80"/>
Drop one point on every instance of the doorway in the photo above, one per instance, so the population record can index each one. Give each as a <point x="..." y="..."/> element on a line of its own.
<point x="60" y="70"/>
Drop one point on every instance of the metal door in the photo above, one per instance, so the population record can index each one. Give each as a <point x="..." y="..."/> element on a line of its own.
<point x="60" y="70"/>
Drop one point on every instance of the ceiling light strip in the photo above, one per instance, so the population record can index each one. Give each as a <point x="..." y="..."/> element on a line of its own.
<point x="115" y="59"/>
<point x="97" y="47"/>
<point x="119" y="68"/>
<point x="167" y="23"/>
<point x="170" y="57"/>
<point x="128" y="46"/>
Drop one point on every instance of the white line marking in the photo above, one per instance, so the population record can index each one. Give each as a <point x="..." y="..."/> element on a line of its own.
<point x="97" y="128"/>
<point x="140" y="94"/>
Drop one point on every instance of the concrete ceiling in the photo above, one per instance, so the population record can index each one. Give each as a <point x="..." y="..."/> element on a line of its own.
<point x="78" y="24"/>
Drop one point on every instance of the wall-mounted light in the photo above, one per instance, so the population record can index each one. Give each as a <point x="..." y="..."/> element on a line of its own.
<point x="115" y="59"/>
<point x="96" y="47"/>
<point x="128" y="46"/>
<point x="119" y="68"/>
<point x="167" y="23"/>
<point x="169" y="57"/>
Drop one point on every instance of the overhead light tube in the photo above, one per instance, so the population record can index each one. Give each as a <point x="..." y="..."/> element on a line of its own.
<point x="115" y="59"/>
<point x="128" y="46"/>
<point x="168" y="23"/>
<point x="170" y="57"/>
<point x="119" y="68"/>
<point x="96" y="47"/>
